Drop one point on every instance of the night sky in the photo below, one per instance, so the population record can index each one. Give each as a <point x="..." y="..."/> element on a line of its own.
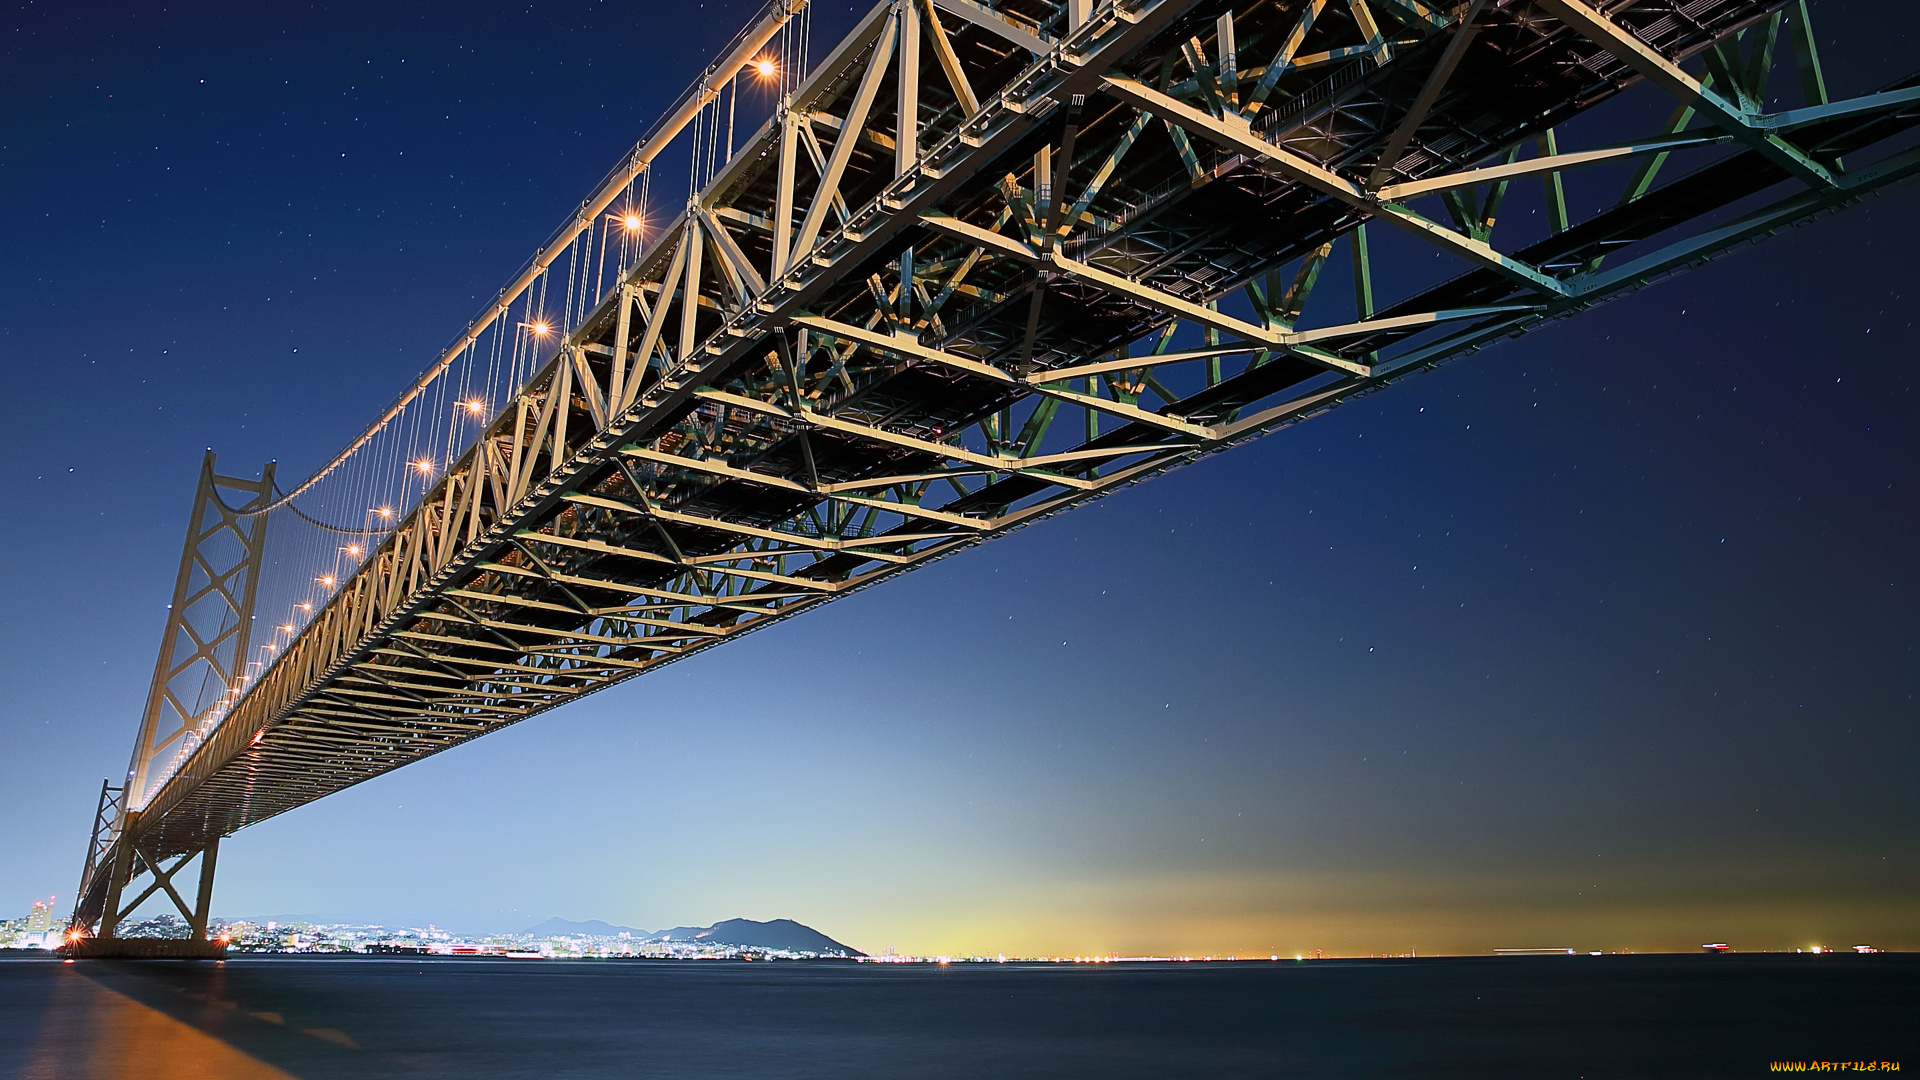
<point x="1604" y="638"/>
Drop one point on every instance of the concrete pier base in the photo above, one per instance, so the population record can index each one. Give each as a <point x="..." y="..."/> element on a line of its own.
<point x="144" y="949"/>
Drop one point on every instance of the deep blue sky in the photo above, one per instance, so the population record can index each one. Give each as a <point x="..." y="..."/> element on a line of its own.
<point x="1604" y="638"/>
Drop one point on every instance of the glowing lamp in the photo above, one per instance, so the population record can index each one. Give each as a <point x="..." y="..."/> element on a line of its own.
<point x="763" y="68"/>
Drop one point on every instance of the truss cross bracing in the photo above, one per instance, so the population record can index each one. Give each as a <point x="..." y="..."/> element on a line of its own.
<point x="987" y="261"/>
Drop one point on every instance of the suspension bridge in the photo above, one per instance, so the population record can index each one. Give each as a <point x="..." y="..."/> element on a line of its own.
<point x="834" y="318"/>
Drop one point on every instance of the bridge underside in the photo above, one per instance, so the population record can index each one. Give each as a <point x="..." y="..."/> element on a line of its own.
<point x="1085" y="259"/>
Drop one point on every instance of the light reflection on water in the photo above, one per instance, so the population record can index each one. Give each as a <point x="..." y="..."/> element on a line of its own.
<point x="91" y="1032"/>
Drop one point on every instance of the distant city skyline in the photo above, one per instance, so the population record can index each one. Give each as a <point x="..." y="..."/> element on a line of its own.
<point x="1603" y="637"/>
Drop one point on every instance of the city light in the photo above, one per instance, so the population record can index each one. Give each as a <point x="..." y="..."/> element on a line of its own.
<point x="351" y="939"/>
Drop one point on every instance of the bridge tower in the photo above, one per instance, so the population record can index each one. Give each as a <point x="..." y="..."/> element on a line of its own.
<point x="203" y="660"/>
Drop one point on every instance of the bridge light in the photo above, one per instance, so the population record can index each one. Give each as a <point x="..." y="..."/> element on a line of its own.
<point x="305" y="607"/>
<point x="352" y="549"/>
<point x="475" y="407"/>
<point x="287" y="629"/>
<point x="631" y="223"/>
<point x="764" y="68"/>
<point x="384" y="511"/>
<point x="326" y="580"/>
<point x="541" y="329"/>
<point x="424" y="467"/>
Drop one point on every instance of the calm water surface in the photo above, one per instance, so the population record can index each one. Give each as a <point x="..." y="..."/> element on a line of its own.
<point x="1533" y="1017"/>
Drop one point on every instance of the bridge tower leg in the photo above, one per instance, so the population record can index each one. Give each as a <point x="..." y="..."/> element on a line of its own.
<point x="210" y="623"/>
<point x="205" y="647"/>
<point x="100" y="851"/>
<point x="203" y="903"/>
<point x="120" y="870"/>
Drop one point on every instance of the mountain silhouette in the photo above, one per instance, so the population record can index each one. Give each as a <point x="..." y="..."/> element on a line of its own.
<point x="778" y="934"/>
<point x="784" y="934"/>
<point x="558" y="927"/>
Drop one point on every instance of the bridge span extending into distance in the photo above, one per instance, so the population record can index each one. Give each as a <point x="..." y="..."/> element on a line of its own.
<point x="836" y="316"/>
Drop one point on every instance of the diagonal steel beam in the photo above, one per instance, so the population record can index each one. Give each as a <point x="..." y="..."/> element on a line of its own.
<point x="1553" y="163"/>
<point x="1667" y="75"/>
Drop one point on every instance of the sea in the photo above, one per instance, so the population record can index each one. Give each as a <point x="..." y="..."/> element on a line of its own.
<point x="1530" y="1017"/>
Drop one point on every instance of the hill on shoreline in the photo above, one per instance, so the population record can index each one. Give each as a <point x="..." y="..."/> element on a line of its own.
<point x="782" y="934"/>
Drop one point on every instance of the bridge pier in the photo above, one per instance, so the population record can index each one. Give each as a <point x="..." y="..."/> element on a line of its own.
<point x="131" y="859"/>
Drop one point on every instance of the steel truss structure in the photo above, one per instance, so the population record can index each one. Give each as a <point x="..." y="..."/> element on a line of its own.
<point x="990" y="262"/>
